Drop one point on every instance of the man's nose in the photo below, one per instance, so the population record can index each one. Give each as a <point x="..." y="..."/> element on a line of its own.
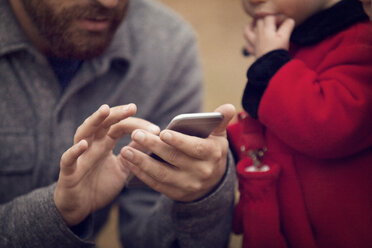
<point x="108" y="3"/>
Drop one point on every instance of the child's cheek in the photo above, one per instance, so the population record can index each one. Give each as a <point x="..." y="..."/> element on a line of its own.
<point x="367" y="6"/>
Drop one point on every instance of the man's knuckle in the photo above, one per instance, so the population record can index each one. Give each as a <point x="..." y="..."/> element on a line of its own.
<point x="200" y="150"/>
<point x="206" y="172"/>
<point x="162" y="175"/>
<point x="193" y="187"/>
<point x="216" y="154"/>
<point x="63" y="160"/>
<point x="172" y="156"/>
<point x="151" y="143"/>
<point x="155" y="185"/>
<point x="179" y="195"/>
<point x="77" y="133"/>
<point x="221" y="151"/>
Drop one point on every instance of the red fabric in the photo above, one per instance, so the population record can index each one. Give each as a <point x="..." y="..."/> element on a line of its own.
<point x="316" y="118"/>
<point x="257" y="212"/>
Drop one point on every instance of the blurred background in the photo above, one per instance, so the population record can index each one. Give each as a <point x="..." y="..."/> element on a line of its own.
<point x="219" y="27"/>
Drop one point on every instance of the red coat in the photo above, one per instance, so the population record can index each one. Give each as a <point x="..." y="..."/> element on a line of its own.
<point x="316" y="119"/>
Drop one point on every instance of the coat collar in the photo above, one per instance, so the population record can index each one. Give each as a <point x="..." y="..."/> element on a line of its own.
<point x="12" y="38"/>
<point x="328" y="22"/>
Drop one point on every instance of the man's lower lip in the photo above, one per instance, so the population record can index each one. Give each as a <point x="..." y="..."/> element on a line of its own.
<point x="94" y="25"/>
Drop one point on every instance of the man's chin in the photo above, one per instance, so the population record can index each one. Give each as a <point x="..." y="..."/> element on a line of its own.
<point x="79" y="52"/>
<point x="84" y="55"/>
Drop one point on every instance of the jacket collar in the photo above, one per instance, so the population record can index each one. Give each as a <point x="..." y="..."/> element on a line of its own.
<point x="12" y="38"/>
<point x="328" y="22"/>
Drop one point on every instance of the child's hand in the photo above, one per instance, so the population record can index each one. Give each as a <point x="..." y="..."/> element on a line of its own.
<point x="264" y="35"/>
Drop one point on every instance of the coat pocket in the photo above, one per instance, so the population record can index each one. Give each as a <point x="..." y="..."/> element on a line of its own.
<point x="17" y="151"/>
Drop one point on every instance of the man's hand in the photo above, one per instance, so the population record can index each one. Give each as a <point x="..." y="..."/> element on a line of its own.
<point x="194" y="165"/>
<point x="264" y="35"/>
<point x="91" y="176"/>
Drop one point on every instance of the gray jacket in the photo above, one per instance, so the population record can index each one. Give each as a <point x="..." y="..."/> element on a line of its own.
<point x="152" y="62"/>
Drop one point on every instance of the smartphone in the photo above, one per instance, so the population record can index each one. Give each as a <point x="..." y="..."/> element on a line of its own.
<point x="196" y="124"/>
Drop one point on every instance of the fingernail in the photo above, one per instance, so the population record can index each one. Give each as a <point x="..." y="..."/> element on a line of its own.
<point x="128" y="106"/>
<point x="103" y="106"/>
<point x="154" y="129"/>
<point x="82" y="143"/>
<point x="166" y="136"/>
<point x="127" y="154"/>
<point x="139" y="136"/>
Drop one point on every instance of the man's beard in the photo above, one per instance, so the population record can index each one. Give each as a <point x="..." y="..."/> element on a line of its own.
<point x="67" y="40"/>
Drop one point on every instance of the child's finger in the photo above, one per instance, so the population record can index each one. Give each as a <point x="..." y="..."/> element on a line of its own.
<point x="287" y="27"/>
<point x="249" y="34"/>
<point x="249" y="49"/>
<point x="269" y="23"/>
<point x="260" y="25"/>
<point x="250" y="37"/>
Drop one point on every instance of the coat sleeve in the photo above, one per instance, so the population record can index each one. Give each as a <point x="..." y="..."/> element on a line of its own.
<point x="325" y="110"/>
<point x="32" y="220"/>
